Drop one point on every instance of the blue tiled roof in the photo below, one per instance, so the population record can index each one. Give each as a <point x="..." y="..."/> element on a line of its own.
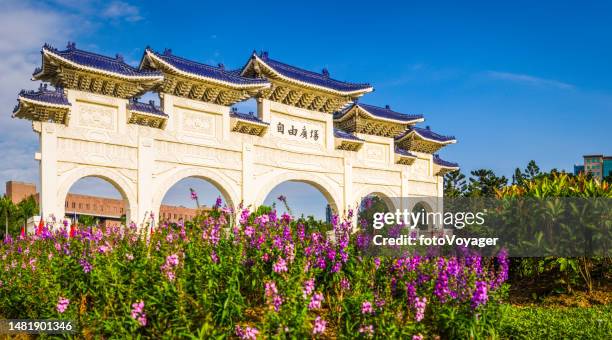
<point x="203" y="70"/>
<point x="345" y="135"/>
<point x="427" y="133"/>
<point x="247" y="116"/>
<point x="319" y="79"/>
<point x="56" y="97"/>
<point x="404" y="152"/>
<point x="382" y="112"/>
<point x="439" y="161"/>
<point x="149" y="107"/>
<point x="97" y="61"/>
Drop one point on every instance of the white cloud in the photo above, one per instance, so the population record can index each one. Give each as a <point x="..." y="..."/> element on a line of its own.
<point x="25" y="29"/>
<point x="122" y="10"/>
<point x="530" y="80"/>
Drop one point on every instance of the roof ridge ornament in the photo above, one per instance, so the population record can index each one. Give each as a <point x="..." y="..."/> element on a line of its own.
<point x="71" y="46"/>
<point x="325" y="72"/>
<point x="221" y="66"/>
<point x="119" y="57"/>
<point x="388" y="107"/>
<point x="167" y="52"/>
<point x="264" y="55"/>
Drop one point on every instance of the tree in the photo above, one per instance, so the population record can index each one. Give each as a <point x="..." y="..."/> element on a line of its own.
<point x="518" y="178"/>
<point x="27" y="208"/>
<point x="484" y="182"/>
<point x="454" y="184"/>
<point x="6" y="206"/>
<point x="532" y="170"/>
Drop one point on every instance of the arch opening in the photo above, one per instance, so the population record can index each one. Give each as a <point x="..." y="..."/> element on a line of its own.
<point x="371" y="206"/>
<point x="190" y="197"/>
<point x="424" y="208"/>
<point x="302" y="199"/>
<point x="96" y="200"/>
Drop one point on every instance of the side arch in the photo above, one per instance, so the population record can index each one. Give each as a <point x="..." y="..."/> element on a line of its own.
<point x="125" y="186"/>
<point x="390" y="198"/>
<point x="330" y="190"/>
<point x="220" y="181"/>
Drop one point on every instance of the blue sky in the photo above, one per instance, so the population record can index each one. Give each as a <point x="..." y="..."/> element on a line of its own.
<point x="513" y="82"/>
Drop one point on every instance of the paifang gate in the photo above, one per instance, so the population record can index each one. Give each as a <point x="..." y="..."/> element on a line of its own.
<point x="308" y="127"/>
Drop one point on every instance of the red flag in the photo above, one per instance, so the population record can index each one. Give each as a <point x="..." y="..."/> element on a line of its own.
<point x="41" y="224"/>
<point x="72" y="230"/>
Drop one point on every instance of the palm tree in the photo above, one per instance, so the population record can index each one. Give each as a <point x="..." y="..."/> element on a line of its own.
<point x="27" y="208"/>
<point x="6" y="208"/>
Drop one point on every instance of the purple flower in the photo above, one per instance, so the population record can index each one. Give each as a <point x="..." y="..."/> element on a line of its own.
<point x="315" y="301"/>
<point x="417" y="337"/>
<point x="85" y="265"/>
<point x="345" y="284"/>
<point x="319" y="326"/>
<point x="366" y="308"/>
<point x="62" y="304"/>
<point x="194" y="195"/>
<point x="218" y="202"/>
<point x="277" y="302"/>
<point x="480" y="295"/>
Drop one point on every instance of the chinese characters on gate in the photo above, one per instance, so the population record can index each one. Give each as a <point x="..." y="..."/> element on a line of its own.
<point x="292" y="130"/>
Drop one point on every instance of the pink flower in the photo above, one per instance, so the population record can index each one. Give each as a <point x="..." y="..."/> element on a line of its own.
<point x="62" y="304"/>
<point x="248" y="333"/>
<point x="417" y="337"/>
<point x="309" y="287"/>
<point x="319" y="326"/>
<point x="367" y="330"/>
<point x="271" y="289"/>
<point x="420" y="305"/>
<point x="280" y="266"/>
<point x="366" y="308"/>
<point x="138" y="313"/>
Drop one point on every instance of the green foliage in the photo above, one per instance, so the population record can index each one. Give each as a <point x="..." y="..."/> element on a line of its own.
<point x="14" y="216"/>
<point x="557" y="323"/>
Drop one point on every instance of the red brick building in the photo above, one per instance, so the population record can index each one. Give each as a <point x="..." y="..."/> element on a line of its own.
<point x="108" y="210"/>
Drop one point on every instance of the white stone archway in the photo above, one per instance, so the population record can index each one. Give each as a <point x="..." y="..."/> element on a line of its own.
<point x="307" y="129"/>
<point x="119" y="181"/>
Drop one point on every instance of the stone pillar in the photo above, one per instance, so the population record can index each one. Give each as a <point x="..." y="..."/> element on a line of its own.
<point x="404" y="203"/>
<point x="263" y="110"/>
<point x="348" y="192"/>
<point x="249" y="189"/>
<point x="49" y="204"/>
<point x="146" y="160"/>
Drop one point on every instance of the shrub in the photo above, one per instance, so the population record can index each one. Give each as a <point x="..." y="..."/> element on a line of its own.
<point x="270" y="277"/>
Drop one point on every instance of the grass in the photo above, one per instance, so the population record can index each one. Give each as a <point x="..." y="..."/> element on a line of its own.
<point x="538" y="322"/>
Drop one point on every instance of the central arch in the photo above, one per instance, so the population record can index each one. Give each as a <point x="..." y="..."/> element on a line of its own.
<point x="328" y="188"/>
<point x="223" y="183"/>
